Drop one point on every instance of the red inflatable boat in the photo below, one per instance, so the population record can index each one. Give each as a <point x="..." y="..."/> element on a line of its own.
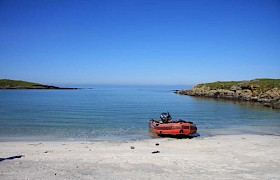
<point x="175" y="127"/>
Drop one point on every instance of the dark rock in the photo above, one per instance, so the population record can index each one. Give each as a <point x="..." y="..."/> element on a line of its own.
<point x="155" y="152"/>
<point x="276" y="105"/>
<point x="11" y="158"/>
<point x="267" y="104"/>
<point x="132" y="147"/>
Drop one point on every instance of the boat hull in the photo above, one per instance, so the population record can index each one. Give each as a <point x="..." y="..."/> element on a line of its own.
<point x="172" y="128"/>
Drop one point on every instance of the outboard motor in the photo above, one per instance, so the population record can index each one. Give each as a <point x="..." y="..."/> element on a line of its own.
<point x="165" y="117"/>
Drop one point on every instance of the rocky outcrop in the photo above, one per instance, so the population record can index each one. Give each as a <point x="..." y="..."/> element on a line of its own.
<point x="243" y="91"/>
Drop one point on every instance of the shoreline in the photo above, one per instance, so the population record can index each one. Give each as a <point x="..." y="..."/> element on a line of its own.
<point x="203" y="133"/>
<point x="233" y="100"/>
<point x="220" y="157"/>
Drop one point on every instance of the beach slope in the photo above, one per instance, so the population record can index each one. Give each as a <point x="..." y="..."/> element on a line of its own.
<point x="219" y="157"/>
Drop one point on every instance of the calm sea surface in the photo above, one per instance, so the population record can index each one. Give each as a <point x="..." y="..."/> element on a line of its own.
<point x="121" y="112"/>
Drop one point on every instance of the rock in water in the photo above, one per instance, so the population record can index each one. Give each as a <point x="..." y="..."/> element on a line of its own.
<point x="276" y="105"/>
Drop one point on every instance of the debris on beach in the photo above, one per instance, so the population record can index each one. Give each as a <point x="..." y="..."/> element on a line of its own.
<point x="155" y="152"/>
<point x="47" y="151"/>
<point x="132" y="147"/>
<point x="12" y="157"/>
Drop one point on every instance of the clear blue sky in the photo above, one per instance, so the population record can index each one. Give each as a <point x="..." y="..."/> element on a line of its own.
<point x="139" y="41"/>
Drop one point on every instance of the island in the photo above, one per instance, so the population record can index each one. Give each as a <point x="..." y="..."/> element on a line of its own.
<point x="19" y="84"/>
<point x="263" y="91"/>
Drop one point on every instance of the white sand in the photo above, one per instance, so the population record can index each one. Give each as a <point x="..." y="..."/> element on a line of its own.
<point x="220" y="157"/>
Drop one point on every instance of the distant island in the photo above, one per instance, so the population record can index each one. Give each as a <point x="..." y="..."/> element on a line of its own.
<point x="261" y="91"/>
<point x="18" y="84"/>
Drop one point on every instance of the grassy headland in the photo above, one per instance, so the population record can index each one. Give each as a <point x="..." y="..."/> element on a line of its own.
<point x="263" y="91"/>
<point x="259" y="85"/>
<point x="18" y="84"/>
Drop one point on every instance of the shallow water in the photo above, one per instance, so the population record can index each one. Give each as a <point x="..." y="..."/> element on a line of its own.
<point x="122" y="112"/>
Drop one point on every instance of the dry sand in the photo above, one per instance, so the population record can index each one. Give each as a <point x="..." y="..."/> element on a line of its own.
<point x="219" y="157"/>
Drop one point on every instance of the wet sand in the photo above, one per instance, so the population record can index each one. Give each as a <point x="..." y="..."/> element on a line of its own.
<point x="218" y="157"/>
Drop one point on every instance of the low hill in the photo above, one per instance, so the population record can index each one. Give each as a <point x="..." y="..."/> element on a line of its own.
<point x="18" y="84"/>
<point x="259" y="85"/>
<point x="263" y="91"/>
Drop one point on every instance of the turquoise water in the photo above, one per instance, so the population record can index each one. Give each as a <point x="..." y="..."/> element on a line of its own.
<point x="122" y="112"/>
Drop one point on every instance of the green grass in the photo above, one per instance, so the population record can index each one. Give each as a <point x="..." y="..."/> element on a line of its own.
<point x="260" y="85"/>
<point x="266" y="84"/>
<point x="220" y="84"/>
<point x="16" y="83"/>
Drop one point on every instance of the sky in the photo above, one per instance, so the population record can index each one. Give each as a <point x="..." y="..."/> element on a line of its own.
<point x="139" y="41"/>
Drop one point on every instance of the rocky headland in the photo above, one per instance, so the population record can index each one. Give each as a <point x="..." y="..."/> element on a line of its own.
<point x="18" y="84"/>
<point x="265" y="92"/>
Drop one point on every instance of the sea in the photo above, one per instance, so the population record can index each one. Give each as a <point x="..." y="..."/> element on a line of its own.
<point x="122" y="112"/>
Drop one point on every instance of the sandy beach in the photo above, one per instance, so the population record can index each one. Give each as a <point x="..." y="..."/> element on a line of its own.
<point x="219" y="157"/>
